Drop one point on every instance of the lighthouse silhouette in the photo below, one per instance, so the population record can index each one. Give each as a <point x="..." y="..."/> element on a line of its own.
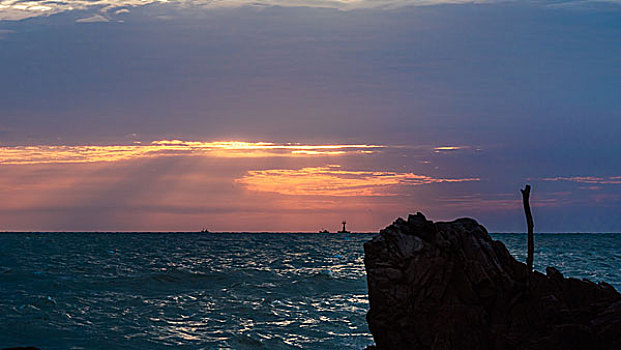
<point x="344" y="230"/>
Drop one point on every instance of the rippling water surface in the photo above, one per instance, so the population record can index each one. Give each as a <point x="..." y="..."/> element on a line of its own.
<point x="217" y="291"/>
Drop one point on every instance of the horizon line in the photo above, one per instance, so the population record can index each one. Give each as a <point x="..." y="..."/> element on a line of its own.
<point x="275" y="232"/>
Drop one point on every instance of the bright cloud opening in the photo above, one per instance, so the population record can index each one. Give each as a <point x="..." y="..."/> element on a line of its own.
<point x="45" y="154"/>
<point x="333" y="181"/>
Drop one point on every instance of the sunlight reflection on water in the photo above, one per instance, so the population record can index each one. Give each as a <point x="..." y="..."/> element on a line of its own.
<point x="221" y="291"/>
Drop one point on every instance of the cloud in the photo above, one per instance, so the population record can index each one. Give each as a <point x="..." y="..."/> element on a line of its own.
<point x="503" y="201"/>
<point x="441" y="149"/>
<point x="610" y="180"/>
<point x="15" y="10"/>
<point x="46" y="154"/>
<point x="3" y="34"/>
<point x="333" y="181"/>
<point x="93" y="19"/>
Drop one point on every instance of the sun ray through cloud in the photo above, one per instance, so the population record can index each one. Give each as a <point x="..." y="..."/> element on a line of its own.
<point x="46" y="154"/>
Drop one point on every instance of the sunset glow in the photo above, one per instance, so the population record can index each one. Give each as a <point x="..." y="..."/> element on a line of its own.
<point x="277" y="115"/>
<point x="22" y="155"/>
<point x="332" y="181"/>
<point x="209" y="174"/>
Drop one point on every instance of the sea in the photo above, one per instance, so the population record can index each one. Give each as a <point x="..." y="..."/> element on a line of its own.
<point x="218" y="291"/>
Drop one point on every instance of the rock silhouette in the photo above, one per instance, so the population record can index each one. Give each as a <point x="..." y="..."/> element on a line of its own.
<point x="448" y="285"/>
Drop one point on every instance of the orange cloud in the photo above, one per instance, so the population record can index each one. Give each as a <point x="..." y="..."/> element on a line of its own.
<point x="45" y="154"/>
<point x="332" y="181"/>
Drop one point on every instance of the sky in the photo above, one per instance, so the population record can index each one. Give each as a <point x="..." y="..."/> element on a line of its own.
<point x="293" y="115"/>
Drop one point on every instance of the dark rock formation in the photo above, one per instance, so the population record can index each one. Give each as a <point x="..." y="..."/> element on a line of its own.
<point x="450" y="286"/>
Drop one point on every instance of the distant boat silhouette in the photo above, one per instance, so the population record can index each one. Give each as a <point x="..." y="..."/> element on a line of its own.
<point x="204" y="230"/>
<point x="344" y="230"/>
<point x="324" y="231"/>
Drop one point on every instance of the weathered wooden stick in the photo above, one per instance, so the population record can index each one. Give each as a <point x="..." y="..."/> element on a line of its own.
<point x="529" y="223"/>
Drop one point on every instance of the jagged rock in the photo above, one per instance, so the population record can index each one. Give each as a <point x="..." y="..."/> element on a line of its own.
<point x="450" y="286"/>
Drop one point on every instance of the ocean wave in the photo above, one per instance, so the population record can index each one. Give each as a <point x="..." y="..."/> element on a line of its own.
<point x="265" y="291"/>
